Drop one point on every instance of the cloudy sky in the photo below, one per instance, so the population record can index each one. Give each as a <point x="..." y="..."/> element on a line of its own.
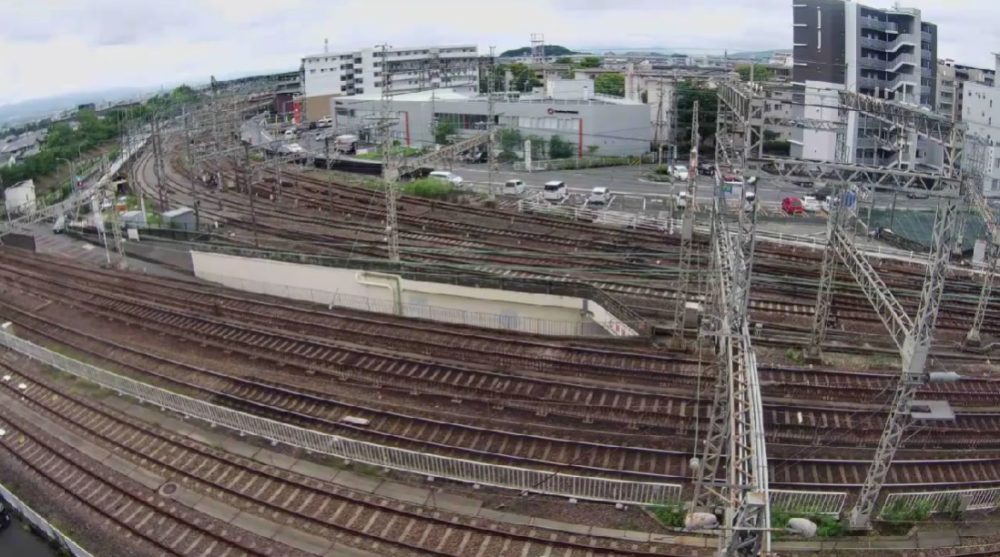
<point x="51" y="47"/>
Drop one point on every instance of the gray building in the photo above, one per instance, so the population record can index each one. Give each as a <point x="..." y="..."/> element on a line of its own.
<point x="886" y="53"/>
<point x="981" y="114"/>
<point x="951" y="80"/>
<point x="595" y="125"/>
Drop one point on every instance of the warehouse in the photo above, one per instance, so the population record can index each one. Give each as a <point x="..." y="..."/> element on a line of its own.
<point x="594" y="124"/>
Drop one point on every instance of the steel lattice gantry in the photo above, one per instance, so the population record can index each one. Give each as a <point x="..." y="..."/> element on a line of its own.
<point x="973" y="168"/>
<point x="736" y="426"/>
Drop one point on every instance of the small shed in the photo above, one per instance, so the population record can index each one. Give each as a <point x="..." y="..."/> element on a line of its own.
<point x="133" y="219"/>
<point x="181" y="218"/>
<point x="20" y="198"/>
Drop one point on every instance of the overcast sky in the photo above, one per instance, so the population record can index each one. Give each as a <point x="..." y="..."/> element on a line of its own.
<point x="51" y="47"/>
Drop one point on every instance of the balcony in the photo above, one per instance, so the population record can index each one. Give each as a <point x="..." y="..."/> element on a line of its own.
<point x="926" y="36"/>
<point x="868" y="82"/>
<point x="877" y="44"/>
<point x="869" y="63"/>
<point x="878" y="25"/>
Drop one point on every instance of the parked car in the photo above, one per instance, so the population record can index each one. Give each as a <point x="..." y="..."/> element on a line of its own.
<point x="555" y="191"/>
<point x="446" y="176"/>
<point x="513" y="187"/>
<point x="792" y="206"/>
<point x="325" y="122"/>
<point x="599" y="196"/>
<point x="347" y="143"/>
<point x="810" y="204"/>
<point x="706" y="168"/>
<point x="290" y="133"/>
<point x="748" y="201"/>
<point x="682" y="200"/>
<point x="679" y="172"/>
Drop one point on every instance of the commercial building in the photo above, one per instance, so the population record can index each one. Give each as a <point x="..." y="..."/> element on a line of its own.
<point x="890" y="54"/>
<point x="981" y="114"/>
<point x="951" y="80"/>
<point x="594" y="124"/>
<point x="334" y="74"/>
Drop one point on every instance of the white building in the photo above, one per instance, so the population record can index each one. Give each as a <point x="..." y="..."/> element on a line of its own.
<point x="20" y="198"/>
<point x="333" y="74"/>
<point x="981" y="113"/>
<point x="595" y="125"/>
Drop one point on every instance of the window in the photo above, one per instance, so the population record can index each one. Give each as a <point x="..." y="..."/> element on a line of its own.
<point x="312" y="70"/>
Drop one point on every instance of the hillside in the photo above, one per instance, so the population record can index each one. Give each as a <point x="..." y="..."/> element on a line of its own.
<point x="550" y="50"/>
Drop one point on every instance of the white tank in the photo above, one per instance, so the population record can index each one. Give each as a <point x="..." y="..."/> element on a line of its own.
<point x="802" y="527"/>
<point x="700" y="521"/>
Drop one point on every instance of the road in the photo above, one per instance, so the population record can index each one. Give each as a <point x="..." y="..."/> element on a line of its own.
<point x="634" y="179"/>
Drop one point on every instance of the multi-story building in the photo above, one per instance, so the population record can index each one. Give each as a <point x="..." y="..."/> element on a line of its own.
<point x="887" y="53"/>
<point x="951" y="80"/>
<point x="981" y="115"/>
<point x="410" y="69"/>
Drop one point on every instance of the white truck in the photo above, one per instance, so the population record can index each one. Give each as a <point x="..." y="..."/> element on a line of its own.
<point x="347" y="143"/>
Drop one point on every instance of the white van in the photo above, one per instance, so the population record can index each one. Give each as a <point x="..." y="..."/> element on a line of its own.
<point x="513" y="187"/>
<point x="446" y="176"/>
<point x="555" y="191"/>
<point x="599" y="196"/>
<point x="324" y="122"/>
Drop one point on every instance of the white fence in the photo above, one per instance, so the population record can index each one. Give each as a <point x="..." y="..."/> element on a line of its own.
<point x="41" y="524"/>
<point x="504" y="322"/>
<point x="808" y="502"/>
<point x="958" y="500"/>
<point x="522" y="479"/>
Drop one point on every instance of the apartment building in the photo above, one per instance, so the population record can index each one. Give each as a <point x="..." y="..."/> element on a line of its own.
<point x="410" y="69"/>
<point x="886" y="53"/>
<point x="951" y="80"/>
<point x="981" y="115"/>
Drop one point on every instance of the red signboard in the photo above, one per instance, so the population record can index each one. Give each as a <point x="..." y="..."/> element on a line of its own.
<point x="297" y="112"/>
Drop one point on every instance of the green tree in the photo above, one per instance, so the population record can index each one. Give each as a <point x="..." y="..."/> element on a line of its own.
<point x="610" y="84"/>
<point x="443" y="131"/>
<point x="760" y="72"/>
<point x="537" y="147"/>
<point x="510" y="139"/>
<point x="590" y="62"/>
<point x="687" y="92"/>
<point x="559" y="148"/>
<point x="523" y="78"/>
<point x="564" y="60"/>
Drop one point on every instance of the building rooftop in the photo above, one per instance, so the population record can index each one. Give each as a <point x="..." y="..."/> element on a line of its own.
<point x="396" y="49"/>
<point x="453" y="95"/>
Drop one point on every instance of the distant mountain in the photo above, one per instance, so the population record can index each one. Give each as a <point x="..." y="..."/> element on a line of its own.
<point x="34" y="109"/>
<point x="756" y="55"/>
<point x="550" y="50"/>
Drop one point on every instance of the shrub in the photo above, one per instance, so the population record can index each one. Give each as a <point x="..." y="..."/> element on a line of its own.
<point x="429" y="188"/>
<point x="662" y="170"/>
<point x="671" y="516"/>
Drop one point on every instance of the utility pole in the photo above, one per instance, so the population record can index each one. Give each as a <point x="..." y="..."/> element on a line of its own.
<point x="158" y="164"/>
<point x="194" y="168"/>
<point x="390" y="172"/>
<point x="659" y="125"/>
<point x="491" y="123"/>
<point x="248" y="183"/>
<point x="687" y="233"/>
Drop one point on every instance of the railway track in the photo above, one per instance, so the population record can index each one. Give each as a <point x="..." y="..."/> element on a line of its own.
<point x="153" y="523"/>
<point x="363" y="520"/>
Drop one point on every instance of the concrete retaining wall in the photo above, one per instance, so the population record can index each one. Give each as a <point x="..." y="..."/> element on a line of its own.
<point x="538" y="313"/>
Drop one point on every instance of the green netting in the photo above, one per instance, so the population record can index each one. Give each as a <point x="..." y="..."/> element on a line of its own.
<point x="917" y="226"/>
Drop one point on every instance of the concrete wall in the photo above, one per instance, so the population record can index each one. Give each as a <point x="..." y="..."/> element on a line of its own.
<point x="387" y="293"/>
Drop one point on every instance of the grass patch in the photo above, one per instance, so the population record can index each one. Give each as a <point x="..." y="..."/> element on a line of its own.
<point x="883" y="361"/>
<point x="794" y="355"/>
<point x="429" y="188"/>
<point x="671" y="516"/>
<point x="827" y="526"/>
<point x="899" y="517"/>
<point x="397" y="151"/>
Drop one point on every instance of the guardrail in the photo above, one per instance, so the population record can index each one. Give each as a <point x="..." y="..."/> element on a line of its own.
<point x="954" y="501"/>
<point x="808" y="502"/>
<point x="480" y="473"/>
<point x="44" y="526"/>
